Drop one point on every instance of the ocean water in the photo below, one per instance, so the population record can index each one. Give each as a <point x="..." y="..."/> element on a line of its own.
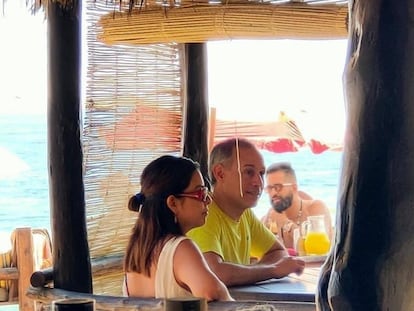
<point x="24" y="191"/>
<point x="24" y="197"/>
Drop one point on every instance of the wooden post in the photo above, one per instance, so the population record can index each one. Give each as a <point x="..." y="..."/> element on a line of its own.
<point x="370" y="267"/>
<point x="196" y="114"/>
<point x="70" y="243"/>
<point x="23" y="248"/>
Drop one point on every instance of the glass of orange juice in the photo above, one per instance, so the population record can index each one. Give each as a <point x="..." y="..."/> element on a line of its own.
<point x="316" y="239"/>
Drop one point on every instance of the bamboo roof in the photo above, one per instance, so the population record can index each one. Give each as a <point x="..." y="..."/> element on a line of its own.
<point x="188" y="21"/>
<point x="192" y="21"/>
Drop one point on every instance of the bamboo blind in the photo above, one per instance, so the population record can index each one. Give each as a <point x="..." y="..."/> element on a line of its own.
<point x="201" y="22"/>
<point x="133" y="114"/>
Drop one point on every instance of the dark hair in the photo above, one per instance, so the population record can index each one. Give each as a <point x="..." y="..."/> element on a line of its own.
<point x="285" y="167"/>
<point x="164" y="176"/>
<point x="223" y="152"/>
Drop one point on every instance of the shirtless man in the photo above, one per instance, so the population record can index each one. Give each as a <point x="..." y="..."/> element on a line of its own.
<point x="290" y="207"/>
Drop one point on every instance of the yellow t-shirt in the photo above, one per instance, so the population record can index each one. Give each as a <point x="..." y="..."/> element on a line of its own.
<point x="234" y="241"/>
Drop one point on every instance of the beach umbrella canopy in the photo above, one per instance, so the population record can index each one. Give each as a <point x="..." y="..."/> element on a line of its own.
<point x="281" y="135"/>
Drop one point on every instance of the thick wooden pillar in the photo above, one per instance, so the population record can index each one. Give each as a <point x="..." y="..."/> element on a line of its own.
<point x="371" y="267"/>
<point x="196" y="114"/>
<point x="71" y="261"/>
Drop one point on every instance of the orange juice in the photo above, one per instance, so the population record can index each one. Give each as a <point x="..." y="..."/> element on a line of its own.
<point x="316" y="243"/>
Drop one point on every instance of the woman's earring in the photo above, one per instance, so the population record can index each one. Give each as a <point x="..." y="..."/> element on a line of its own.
<point x="175" y="219"/>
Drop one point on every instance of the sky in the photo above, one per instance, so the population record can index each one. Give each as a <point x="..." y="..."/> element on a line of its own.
<point x="248" y="80"/>
<point x="22" y="59"/>
<point x="255" y="80"/>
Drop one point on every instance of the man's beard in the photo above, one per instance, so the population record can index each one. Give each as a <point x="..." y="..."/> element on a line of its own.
<point x="282" y="204"/>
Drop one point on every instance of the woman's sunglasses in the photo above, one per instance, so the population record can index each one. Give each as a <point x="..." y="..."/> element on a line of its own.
<point x="202" y="195"/>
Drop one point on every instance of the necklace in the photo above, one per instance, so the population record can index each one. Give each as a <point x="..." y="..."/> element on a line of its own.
<point x="299" y="214"/>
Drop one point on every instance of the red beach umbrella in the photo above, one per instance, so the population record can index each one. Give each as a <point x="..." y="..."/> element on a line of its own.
<point x="282" y="135"/>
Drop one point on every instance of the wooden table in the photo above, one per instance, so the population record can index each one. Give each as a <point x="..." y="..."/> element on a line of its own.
<point x="291" y="288"/>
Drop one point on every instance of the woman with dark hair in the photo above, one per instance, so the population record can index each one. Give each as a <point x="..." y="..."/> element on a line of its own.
<point x="160" y="260"/>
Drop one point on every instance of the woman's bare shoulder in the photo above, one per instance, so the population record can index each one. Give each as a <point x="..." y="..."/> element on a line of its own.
<point x="187" y="247"/>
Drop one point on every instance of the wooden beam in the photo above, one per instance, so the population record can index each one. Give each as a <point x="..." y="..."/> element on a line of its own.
<point x="196" y="107"/>
<point x="201" y="23"/>
<point x="70" y="243"/>
<point x="9" y="274"/>
<point x="100" y="266"/>
<point x="110" y="303"/>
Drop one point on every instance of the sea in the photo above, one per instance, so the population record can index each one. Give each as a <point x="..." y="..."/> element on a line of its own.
<point x="24" y="190"/>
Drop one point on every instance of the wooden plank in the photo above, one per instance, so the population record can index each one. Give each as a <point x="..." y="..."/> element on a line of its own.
<point x="284" y="289"/>
<point x="105" y="265"/>
<point x="292" y="288"/>
<point x="110" y="303"/>
<point x="310" y="275"/>
<point x="9" y="274"/>
<point x="25" y="265"/>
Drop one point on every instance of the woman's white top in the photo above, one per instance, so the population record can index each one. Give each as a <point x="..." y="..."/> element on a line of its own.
<point x="165" y="284"/>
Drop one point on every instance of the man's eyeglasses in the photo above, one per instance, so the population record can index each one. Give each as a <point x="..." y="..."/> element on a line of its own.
<point x="277" y="187"/>
<point x="202" y="195"/>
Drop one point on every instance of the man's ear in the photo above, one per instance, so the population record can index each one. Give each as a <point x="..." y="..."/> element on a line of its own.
<point x="295" y="187"/>
<point x="218" y="171"/>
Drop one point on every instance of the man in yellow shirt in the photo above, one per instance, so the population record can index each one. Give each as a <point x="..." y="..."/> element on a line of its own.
<point x="232" y="234"/>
